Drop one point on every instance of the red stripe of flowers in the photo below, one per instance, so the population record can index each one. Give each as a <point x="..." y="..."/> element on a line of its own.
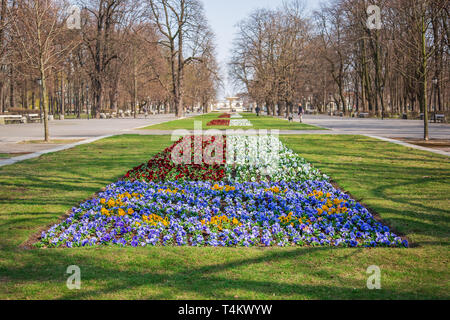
<point x="162" y="168"/>
<point x="219" y="122"/>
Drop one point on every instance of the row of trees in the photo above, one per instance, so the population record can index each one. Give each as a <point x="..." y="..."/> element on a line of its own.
<point x="104" y="55"/>
<point x="391" y="62"/>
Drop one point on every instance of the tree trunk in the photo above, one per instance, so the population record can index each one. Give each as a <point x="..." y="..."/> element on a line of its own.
<point x="44" y="102"/>
<point x="424" y="68"/>
<point x="179" y="111"/>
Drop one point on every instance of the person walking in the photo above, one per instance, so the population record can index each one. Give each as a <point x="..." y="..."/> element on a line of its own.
<point x="258" y="110"/>
<point x="301" y="112"/>
<point x="145" y="110"/>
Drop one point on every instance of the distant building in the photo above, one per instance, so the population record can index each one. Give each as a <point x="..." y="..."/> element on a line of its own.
<point x="231" y="104"/>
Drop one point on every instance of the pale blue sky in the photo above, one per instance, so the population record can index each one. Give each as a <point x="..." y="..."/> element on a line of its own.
<point x="223" y="15"/>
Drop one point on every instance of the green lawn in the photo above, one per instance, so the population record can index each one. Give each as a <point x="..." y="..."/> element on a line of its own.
<point x="262" y="122"/>
<point x="5" y="155"/>
<point x="396" y="181"/>
<point x="267" y="122"/>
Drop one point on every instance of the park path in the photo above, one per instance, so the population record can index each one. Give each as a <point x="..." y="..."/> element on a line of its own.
<point x="83" y="131"/>
<point x="92" y="130"/>
<point x="386" y="130"/>
<point x="389" y="128"/>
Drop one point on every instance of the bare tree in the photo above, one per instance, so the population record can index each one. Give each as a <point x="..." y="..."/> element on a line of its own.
<point x="42" y="41"/>
<point x="183" y="29"/>
<point x="101" y="20"/>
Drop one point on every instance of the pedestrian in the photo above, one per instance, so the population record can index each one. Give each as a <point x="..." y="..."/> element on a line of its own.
<point x="145" y="112"/>
<point x="258" y="110"/>
<point x="301" y="112"/>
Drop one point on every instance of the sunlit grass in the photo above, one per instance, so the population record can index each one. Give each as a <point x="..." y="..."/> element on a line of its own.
<point x="262" y="122"/>
<point x="408" y="188"/>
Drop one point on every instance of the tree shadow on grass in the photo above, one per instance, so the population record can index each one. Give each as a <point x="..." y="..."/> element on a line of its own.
<point x="210" y="281"/>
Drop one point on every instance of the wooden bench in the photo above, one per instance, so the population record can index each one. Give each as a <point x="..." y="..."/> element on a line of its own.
<point x="33" y="118"/>
<point x="440" y="118"/>
<point x="4" y="119"/>
<point x="363" y="115"/>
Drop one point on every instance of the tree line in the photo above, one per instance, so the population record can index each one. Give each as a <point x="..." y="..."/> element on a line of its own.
<point x="98" y="56"/>
<point x="342" y="55"/>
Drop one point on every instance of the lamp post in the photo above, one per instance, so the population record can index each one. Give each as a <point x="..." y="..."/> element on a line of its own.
<point x="435" y="83"/>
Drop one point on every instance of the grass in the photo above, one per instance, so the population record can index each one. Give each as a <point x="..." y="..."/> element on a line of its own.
<point x="267" y="122"/>
<point x="389" y="178"/>
<point x="262" y="122"/>
<point x="12" y="155"/>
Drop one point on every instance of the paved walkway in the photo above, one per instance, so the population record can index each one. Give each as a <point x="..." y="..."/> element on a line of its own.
<point x="92" y="130"/>
<point x="12" y="135"/>
<point x="86" y="130"/>
<point x="382" y="128"/>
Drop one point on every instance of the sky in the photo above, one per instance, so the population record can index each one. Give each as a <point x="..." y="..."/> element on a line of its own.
<point x="223" y="15"/>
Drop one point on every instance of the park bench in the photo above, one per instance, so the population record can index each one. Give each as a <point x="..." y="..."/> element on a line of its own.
<point x="33" y="118"/>
<point x="363" y="115"/>
<point x="4" y="119"/>
<point x="440" y="118"/>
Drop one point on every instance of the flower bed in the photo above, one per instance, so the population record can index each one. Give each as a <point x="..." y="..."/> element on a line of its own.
<point x="135" y="214"/>
<point x="265" y="158"/>
<point x="240" y="123"/>
<point x="162" y="168"/>
<point x="225" y="116"/>
<point x="263" y="194"/>
<point x="219" y="122"/>
<point x="236" y="116"/>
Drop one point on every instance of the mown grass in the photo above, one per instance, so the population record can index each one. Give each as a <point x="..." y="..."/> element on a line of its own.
<point x="268" y="122"/>
<point x="389" y="178"/>
<point x="262" y="122"/>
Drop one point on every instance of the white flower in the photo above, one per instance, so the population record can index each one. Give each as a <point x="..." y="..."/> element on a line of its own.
<point x="240" y="123"/>
<point x="256" y="156"/>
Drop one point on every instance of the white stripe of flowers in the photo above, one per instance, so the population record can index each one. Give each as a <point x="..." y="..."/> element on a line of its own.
<point x="265" y="158"/>
<point x="240" y="123"/>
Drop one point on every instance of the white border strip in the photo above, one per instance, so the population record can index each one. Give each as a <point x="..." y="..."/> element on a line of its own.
<point x="405" y="144"/>
<point x="14" y="160"/>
